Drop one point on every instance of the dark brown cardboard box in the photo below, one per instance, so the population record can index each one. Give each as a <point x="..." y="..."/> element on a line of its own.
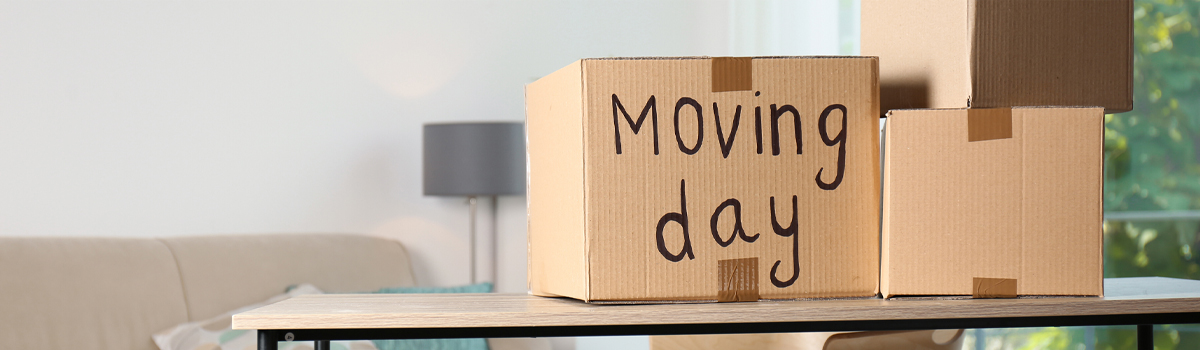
<point x="1001" y="53"/>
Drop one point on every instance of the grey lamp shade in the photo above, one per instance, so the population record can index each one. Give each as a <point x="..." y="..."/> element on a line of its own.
<point x="474" y="159"/>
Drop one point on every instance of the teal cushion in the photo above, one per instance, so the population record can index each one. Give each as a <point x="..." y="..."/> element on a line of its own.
<point x="435" y="344"/>
<point x="432" y="344"/>
<point x="484" y="287"/>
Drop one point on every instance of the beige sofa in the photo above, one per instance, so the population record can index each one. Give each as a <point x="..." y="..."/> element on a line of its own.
<point x="113" y="293"/>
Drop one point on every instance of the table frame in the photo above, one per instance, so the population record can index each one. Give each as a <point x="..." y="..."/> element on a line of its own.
<point x="267" y="339"/>
<point x="1179" y="294"/>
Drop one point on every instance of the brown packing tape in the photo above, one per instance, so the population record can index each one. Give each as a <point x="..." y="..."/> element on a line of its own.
<point x="988" y="288"/>
<point x="989" y="124"/>
<point x="731" y="74"/>
<point x="737" y="280"/>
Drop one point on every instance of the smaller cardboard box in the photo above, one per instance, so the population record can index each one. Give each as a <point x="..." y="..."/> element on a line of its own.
<point x="704" y="179"/>
<point x="977" y="199"/>
<point x="991" y="53"/>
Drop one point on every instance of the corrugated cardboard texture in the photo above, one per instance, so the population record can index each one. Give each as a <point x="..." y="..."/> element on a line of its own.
<point x="738" y="158"/>
<point x="737" y="280"/>
<point x="1026" y="207"/>
<point x="1053" y="53"/>
<point x="991" y="288"/>
<point x="554" y="108"/>
<point x="942" y="53"/>
<point x="731" y="74"/>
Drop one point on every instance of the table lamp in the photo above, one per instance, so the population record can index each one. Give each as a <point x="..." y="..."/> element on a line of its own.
<point x="472" y="160"/>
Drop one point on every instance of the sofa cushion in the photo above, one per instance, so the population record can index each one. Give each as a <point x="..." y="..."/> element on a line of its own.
<point x="224" y="272"/>
<point x="93" y="293"/>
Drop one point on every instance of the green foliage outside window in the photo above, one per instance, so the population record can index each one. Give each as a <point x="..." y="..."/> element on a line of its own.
<point x="1151" y="153"/>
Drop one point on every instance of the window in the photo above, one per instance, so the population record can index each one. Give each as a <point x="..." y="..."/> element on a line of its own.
<point x="1151" y="181"/>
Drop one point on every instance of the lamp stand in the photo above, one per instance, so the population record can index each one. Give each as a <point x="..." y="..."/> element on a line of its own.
<point x="495" y="237"/>
<point x="471" y="200"/>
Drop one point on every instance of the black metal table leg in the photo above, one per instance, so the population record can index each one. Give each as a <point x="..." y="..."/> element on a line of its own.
<point x="1145" y="337"/>
<point x="321" y="345"/>
<point x="268" y="340"/>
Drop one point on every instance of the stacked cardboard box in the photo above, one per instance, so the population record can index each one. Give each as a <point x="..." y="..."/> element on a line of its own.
<point x="982" y="196"/>
<point x="1001" y="53"/>
<point x="1004" y="193"/>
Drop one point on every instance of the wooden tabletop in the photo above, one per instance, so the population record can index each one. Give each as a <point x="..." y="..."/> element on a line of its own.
<point x="1143" y="295"/>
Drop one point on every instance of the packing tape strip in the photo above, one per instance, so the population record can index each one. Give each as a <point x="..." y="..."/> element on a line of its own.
<point x="737" y="280"/>
<point x="990" y="288"/>
<point x="732" y="74"/>
<point x="989" y="124"/>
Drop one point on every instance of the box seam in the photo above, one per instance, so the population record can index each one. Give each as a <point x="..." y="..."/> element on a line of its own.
<point x="1129" y="64"/>
<point x="1100" y="203"/>
<point x="884" y="218"/>
<point x="1024" y="189"/>
<point x="972" y="49"/>
<point x="587" y="267"/>
<point x="528" y="237"/>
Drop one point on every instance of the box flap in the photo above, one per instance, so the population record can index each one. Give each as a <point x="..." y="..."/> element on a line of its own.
<point x="953" y="205"/>
<point x="1062" y="253"/>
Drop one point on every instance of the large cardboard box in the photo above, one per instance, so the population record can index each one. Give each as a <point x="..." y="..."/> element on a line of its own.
<point x="1001" y="53"/>
<point x="1005" y="195"/>
<point x="728" y="179"/>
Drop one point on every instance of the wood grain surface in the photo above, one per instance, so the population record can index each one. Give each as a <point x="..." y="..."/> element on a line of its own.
<point x="1142" y="295"/>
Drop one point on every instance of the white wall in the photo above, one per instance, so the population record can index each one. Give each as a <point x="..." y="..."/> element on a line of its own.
<point x="157" y="118"/>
